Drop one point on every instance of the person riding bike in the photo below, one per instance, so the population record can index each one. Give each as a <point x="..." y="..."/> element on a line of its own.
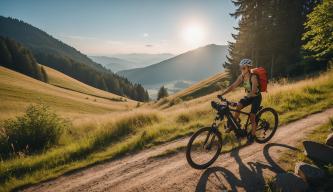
<point x="253" y="95"/>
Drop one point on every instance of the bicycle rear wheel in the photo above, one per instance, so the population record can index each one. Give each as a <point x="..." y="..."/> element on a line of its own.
<point x="203" y="148"/>
<point x="267" y="123"/>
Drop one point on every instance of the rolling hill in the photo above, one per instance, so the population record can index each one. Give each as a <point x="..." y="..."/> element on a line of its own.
<point x="58" y="55"/>
<point x="39" y="41"/>
<point x="202" y="88"/>
<point x="66" y="95"/>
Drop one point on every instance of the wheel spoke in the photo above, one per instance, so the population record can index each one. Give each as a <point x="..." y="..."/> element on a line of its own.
<point x="204" y="148"/>
<point x="267" y="122"/>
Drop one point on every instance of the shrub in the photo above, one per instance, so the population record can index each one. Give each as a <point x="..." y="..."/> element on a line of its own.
<point x="175" y="101"/>
<point x="183" y="118"/>
<point x="163" y="101"/>
<point x="39" y="128"/>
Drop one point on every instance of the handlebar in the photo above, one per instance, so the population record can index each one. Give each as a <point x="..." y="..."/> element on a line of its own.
<point x="233" y="104"/>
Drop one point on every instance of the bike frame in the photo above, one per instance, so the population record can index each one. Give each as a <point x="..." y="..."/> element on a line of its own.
<point x="236" y="128"/>
<point x="241" y="112"/>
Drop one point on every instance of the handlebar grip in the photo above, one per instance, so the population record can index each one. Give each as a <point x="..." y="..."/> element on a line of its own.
<point x="221" y="97"/>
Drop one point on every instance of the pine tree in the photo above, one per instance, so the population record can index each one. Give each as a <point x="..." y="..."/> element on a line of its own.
<point x="269" y="33"/>
<point x="5" y="55"/>
<point x="163" y="92"/>
<point x="44" y="74"/>
<point x="16" y="57"/>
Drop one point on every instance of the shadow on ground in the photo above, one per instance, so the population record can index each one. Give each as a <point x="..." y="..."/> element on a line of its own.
<point x="250" y="178"/>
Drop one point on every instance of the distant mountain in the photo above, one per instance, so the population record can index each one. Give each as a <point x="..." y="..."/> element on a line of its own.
<point x="113" y="63"/>
<point x="143" y="59"/>
<point x="193" y="65"/>
<point x="58" y="55"/>
<point x="130" y="61"/>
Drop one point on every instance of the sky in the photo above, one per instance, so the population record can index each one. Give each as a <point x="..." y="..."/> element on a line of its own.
<point x="108" y="27"/>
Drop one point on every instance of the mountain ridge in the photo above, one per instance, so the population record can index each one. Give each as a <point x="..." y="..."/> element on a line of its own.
<point x="66" y="59"/>
<point x="163" y="71"/>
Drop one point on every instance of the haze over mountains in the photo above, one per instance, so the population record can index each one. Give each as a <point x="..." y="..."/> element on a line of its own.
<point x="180" y="71"/>
<point x="120" y="62"/>
<point x="150" y="70"/>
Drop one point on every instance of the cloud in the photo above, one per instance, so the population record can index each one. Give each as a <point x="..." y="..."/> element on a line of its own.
<point x="145" y="35"/>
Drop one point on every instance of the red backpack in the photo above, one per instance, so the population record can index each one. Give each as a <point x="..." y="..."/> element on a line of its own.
<point x="261" y="73"/>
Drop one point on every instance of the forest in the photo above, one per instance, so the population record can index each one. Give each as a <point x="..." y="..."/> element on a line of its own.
<point x="16" y="57"/>
<point x="288" y="38"/>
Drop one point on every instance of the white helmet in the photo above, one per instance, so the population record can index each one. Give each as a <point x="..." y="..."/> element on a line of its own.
<point x="247" y="62"/>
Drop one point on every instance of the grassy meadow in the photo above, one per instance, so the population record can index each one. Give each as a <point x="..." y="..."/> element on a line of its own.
<point x="17" y="91"/>
<point x="103" y="129"/>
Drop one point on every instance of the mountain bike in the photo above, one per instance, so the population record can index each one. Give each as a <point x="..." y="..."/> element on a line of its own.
<point x="205" y="145"/>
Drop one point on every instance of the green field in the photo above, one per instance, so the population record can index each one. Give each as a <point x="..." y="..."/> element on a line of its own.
<point x="105" y="129"/>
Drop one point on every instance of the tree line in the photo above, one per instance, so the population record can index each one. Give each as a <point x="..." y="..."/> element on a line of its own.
<point x="101" y="79"/>
<point x="274" y="34"/>
<point x="58" y="55"/>
<point x="16" y="57"/>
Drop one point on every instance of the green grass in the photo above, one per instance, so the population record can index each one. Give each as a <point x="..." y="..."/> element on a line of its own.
<point x="142" y="129"/>
<point x="288" y="159"/>
<point x="17" y="91"/>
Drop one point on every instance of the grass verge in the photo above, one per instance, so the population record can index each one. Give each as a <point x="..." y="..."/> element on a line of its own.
<point x="290" y="157"/>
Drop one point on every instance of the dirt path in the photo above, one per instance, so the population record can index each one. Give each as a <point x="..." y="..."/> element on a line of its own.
<point x="242" y="169"/>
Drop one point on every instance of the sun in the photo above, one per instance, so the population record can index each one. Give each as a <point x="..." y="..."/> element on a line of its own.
<point x="193" y="34"/>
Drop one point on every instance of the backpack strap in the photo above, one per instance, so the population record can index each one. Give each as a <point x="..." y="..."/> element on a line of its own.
<point x="257" y="80"/>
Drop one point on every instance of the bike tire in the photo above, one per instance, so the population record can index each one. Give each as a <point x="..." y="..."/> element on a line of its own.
<point x="190" y="161"/>
<point x="276" y="123"/>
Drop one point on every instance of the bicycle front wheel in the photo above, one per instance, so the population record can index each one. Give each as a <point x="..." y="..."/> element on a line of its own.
<point x="267" y="123"/>
<point x="203" y="148"/>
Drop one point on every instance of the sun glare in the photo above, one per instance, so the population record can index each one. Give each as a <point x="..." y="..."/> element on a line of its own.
<point x="193" y="34"/>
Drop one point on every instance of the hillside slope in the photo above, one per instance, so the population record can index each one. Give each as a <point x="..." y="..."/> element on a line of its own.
<point x="18" y="91"/>
<point x="202" y="88"/>
<point x="193" y="65"/>
<point x="61" y="80"/>
<point x="39" y="41"/>
<point x="60" y="56"/>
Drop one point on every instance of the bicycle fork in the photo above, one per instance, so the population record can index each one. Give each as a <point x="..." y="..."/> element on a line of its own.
<point x="215" y="130"/>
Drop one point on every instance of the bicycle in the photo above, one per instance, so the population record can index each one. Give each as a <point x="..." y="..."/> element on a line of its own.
<point x="209" y="139"/>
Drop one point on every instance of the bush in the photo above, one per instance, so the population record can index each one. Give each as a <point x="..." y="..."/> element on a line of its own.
<point x="175" y="101"/>
<point x="183" y="118"/>
<point x="39" y="128"/>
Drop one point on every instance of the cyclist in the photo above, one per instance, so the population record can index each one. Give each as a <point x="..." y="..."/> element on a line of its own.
<point x="253" y="95"/>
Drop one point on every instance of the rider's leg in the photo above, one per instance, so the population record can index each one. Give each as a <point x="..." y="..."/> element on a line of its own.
<point x="238" y="108"/>
<point x="254" y="109"/>
<point x="240" y="105"/>
<point x="253" y="123"/>
<point x="236" y="116"/>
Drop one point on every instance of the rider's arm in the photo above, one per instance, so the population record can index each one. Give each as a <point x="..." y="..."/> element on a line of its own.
<point x="233" y="86"/>
<point x="254" y="81"/>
